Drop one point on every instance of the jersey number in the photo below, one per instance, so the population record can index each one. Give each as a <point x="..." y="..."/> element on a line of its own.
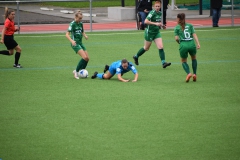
<point x="186" y="33"/>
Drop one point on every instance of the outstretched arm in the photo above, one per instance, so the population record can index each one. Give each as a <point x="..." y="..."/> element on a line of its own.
<point x="121" y="79"/>
<point x="135" y="78"/>
<point x="152" y="23"/>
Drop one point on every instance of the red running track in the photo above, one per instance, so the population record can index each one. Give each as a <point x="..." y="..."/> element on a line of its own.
<point x="131" y="25"/>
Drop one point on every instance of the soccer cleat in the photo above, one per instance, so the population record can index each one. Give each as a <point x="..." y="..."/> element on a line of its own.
<point x="188" y="77"/>
<point x="17" y="66"/>
<point x="94" y="75"/>
<point x="75" y="74"/>
<point x="194" y="78"/>
<point x="135" y="60"/>
<point x="106" y="68"/>
<point x="165" y="64"/>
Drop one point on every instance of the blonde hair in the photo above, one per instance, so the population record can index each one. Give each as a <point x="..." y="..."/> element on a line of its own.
<point x="7" y="12"/>
<point x="77" y="13"/>
<point x="181" y="20"/>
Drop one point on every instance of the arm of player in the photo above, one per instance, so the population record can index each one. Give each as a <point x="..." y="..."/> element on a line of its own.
<point x="196" y="40"/>
<point x="85" y="36"/>
<point x="70" y="39"/>
<point x="3" y="31"/>
<point x="152" y="23"/>
<point x="17" y="29"/>
<point x="121" y="79"/>
<point x="177" y="39"/>
<point x="135" y="78"/>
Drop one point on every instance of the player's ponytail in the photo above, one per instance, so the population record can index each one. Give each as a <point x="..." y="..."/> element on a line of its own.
<point x="181" y="20"/>
<point x="7" y="12"/>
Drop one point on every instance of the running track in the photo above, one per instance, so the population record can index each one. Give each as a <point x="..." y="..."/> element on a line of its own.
<point x="130" y="25"/>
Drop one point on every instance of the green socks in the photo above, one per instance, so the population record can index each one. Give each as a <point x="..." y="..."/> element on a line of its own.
<point x="162" y="55"/>
<point x="82" y="64"/>
<point x="194" y="66"/>
<point x="186" y="67"/>
<point x="140" y="52"/>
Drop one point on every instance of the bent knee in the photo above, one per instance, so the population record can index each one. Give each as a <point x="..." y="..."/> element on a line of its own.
<point x="86" y="58"/>
<point x="11" y="53"/>
<point x="18" y="49"/>
<point x="146" y="49"/>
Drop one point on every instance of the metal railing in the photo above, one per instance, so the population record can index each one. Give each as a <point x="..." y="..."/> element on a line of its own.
<point x="40" y="1"/>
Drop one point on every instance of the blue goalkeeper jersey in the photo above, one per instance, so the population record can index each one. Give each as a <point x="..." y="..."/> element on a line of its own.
<point x="116" y="68"/>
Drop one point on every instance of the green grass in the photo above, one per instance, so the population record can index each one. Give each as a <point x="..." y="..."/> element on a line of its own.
<point x="107" y="3"/>
<point x="110" y="3"/>
<point x="47" y="114"/>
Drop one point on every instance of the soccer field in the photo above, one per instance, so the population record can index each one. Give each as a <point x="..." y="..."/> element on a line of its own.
<point x="46" y="114"/>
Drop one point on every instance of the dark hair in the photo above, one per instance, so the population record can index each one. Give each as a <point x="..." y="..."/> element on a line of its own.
<point x="181" y="20"/>
<point x="124" y="61"/>
<point x="7" y="12"/>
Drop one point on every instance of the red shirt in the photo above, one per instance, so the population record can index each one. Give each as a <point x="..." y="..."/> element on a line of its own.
<point x="10" y="27"/>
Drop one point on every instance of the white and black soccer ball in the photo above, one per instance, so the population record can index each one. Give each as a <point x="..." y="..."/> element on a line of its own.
<point x="83" y="73"/>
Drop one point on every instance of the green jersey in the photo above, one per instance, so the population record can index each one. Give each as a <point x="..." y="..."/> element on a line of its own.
<point x="186" y="34"/>
<point x="154" y="16"/>
<point x="76" y="30"/>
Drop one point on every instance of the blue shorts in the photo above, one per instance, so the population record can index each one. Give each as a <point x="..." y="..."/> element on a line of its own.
<point x="112" y="70"/>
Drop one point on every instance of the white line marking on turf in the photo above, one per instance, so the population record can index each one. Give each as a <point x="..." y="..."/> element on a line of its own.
<point x="100" y="66"/>
<point x="124" y="33"/>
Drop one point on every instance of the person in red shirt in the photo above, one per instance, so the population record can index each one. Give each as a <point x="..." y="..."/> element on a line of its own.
<point x="8" y="38"/>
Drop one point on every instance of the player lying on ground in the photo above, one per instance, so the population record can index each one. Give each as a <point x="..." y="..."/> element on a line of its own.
<point x="119" y="68"/>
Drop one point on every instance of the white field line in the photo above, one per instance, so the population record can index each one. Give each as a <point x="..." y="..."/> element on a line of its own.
<point x="124" y="33"/>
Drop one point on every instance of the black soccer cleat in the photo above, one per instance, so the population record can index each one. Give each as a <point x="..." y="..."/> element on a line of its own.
<point x="135" y="60"/>
<point x="17" y="66"/>
<point x="106" y="68"/>
<point x="166" y="64"/>
<point x="94" y="75"/>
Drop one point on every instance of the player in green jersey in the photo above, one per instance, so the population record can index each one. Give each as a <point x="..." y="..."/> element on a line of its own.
<point x="74" y="35"/>
<point x="185" y="36"/>
<point x="152" y="33"/>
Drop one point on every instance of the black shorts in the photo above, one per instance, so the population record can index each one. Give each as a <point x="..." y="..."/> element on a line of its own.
<point x="9" y="42"/>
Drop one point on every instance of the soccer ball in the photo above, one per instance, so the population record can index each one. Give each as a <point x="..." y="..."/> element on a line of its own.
<point x="83" y="73"/>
